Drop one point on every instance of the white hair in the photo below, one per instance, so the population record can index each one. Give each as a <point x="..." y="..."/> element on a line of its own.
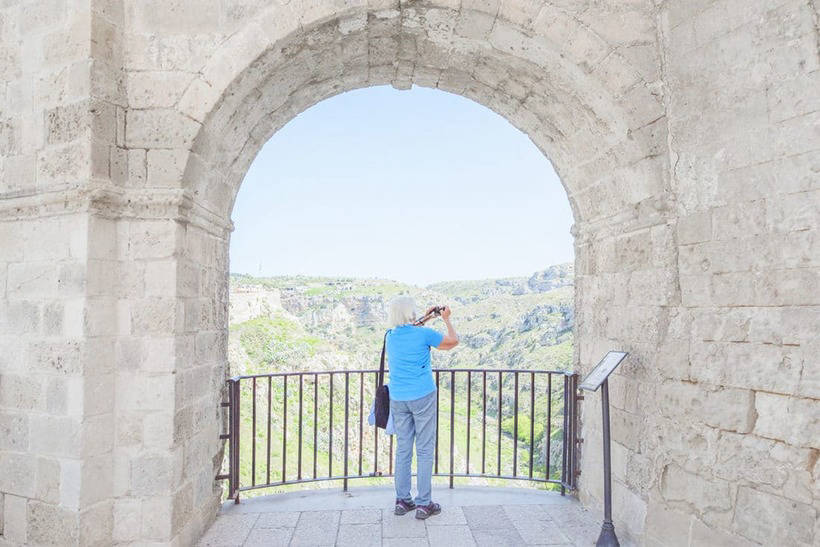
<point x="402" y="311"/>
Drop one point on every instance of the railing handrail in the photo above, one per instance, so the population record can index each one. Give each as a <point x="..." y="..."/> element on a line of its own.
<point x="371" y="371"/>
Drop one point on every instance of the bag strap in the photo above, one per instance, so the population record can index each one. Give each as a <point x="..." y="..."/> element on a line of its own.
<point x="380" y="377"/>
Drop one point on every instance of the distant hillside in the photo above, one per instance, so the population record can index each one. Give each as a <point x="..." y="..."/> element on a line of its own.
<point x="303" y="323"/>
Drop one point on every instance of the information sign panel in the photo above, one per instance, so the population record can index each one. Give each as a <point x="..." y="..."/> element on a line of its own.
<point x="602" y="370"/>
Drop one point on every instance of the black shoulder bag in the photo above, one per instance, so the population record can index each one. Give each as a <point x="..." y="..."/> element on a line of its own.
<point x="382" y="403"/>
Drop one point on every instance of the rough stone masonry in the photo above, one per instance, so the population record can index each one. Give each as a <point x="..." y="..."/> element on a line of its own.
<point x="686" y="135"/>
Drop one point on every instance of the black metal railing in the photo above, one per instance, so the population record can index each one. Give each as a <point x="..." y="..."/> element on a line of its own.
<point x="282" y="426"/>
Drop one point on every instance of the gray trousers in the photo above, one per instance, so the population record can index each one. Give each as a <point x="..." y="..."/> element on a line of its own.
<point x="415" y="421"/>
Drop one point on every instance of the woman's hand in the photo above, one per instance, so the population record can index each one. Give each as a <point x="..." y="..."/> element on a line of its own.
<point x="450" y="340"/>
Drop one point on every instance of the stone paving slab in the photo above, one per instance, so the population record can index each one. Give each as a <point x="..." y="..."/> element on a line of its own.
<point x="453" y="536"/>
<point x="359" y="535"/>
<point x="361" y="516"/>
<point x="467" y="519"/>
<point x="500" y="538"/>
<point x="316" y="528"/>
<point x="269" y="537"/>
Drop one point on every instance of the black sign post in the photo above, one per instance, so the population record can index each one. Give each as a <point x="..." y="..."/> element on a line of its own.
<point x="599" y="378"/>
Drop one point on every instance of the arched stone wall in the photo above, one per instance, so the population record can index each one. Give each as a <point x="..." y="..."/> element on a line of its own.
<point x="685" y="134"/>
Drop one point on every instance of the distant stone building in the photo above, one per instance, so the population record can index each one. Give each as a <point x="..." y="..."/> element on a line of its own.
<point x="685" y="133"/>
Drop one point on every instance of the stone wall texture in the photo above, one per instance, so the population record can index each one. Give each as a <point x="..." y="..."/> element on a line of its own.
<point x="686" y="134"/>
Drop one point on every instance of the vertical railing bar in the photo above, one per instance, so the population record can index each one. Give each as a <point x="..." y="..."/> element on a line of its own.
<point x="267" y="467"/>
<point x="361" y="420"/>
<point x="299" y="457"/>
<point x="500" y="410"/>
<point x="532" y="419"/>
<point x="236" y="434"/>
<point x="253" y="435"/>
<point x="515" y="425"/>
<point x="574" y="460"/>
<point x="376" y="437"/>
<point x="231" y="453"/>
<point x="483" y="420"/>
<point x="347" y="406"/>
<point x="549" y="422"/>
<point x="315" y="422"/>
<point x="569" y="436"/>
<point x="452" y="421"/>
<point x="437" y="410"/>
<point x="564" y="441"/>
<point x="284" y="427"/>
<point x="330" y="433"/>
<point x="469" y="402"/>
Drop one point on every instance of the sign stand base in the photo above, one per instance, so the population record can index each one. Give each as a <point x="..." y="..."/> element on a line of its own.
<point x="607" y="538"/>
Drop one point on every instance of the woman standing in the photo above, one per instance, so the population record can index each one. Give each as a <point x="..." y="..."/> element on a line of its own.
<point x="413" y="401"/>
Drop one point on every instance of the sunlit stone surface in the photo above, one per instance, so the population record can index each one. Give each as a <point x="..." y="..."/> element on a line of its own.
<point x="685" y="133"/>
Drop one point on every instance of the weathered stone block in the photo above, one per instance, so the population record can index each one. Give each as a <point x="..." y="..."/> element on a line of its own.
<point x="127" y="515"/>
<point x="705" y="534"/>
<point x="21" y="392"/>
<point x="157" y="518"/>
<point x="767" y="518"/>
<point x="666" y="526"/>
<point x="702" y="493"/>
<point x="19" y="474"/>
<point x="52" y="525"/>
<point x="155" y="473"/>
<point x="48" y="480"/>
<point x="15" y="518"/>
<point x="56" y="436"/>
<point x="165" y="167"/>
<point x="174" y="17"/>
<point x="161" y="278"/>
<point x="69" y="163"/>
<point x="96" y="524"/>
<point x="59" y="357"/>
<point x="796" y="421"/>
<point x="158" y="430"/>
<point x="142" y="392"/>
<point x="694" y="228"/>
<point x="159" y="128"/>
<point x="154" y="89"/>
<point x="153" y="239"/>
<point x="724" y="408"/>
<point x="13" y="431"/>
<point x="20" y="317"/>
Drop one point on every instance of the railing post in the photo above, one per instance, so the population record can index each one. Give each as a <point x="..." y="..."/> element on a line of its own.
<point x="233" y="427"/>
<point x="573" y="480"/>
<point x="452" y="421"/>
<point x="565" y="437"/>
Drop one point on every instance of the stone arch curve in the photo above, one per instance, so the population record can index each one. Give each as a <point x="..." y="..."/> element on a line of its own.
<point x="553" y="77"/>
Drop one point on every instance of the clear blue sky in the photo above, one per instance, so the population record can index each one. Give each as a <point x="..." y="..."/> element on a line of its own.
<point x="417" y="186"/>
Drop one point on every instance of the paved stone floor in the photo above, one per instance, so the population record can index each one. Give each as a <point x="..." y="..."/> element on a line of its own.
<point x="363" y="517"/>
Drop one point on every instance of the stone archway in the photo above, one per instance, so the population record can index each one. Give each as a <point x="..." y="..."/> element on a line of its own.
<point x="120" y="172"/>
<point x="540" y="68"/>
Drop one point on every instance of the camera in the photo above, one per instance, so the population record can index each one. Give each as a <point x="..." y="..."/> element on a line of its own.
<point x="435" y="311"/>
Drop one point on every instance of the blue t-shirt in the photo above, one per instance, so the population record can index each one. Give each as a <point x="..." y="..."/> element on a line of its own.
<point x="408" y="357"/>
